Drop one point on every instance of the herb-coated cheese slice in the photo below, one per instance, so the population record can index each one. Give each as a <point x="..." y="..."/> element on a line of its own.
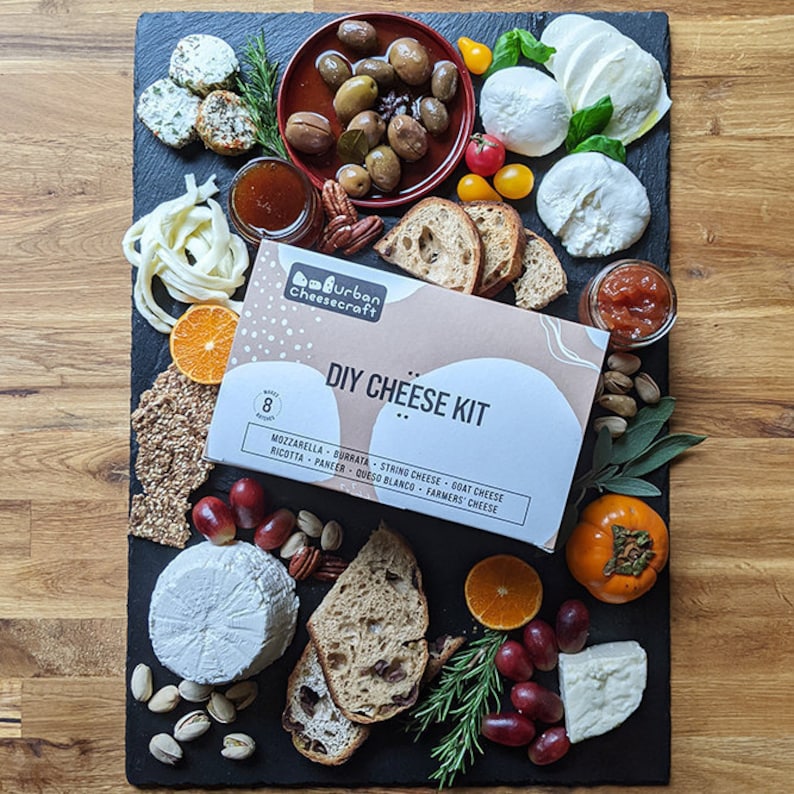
<point x="203" y="63"/>
<point x="222" y="613"/>
<point x="169" y="112"/>
<point x="601" y="687"/>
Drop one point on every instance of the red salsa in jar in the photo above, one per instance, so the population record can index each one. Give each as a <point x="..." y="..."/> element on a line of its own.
<point x="634" y="300"/>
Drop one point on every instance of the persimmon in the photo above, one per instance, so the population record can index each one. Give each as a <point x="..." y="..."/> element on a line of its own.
<point x="618" y="548"/>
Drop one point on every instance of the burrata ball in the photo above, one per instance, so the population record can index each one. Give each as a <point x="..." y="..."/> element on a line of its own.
<point x="525" y="109"/>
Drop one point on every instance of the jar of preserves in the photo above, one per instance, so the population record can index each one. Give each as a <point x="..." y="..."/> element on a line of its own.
<point x="272" y="199"/>
<point x="634" y="300"/>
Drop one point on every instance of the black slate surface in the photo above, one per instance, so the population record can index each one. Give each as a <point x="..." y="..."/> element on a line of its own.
<point x="638" y="753"/>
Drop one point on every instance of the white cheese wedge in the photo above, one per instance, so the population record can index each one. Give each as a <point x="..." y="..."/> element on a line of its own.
<point x="594" y="204"/>
<point x="222" y="613"/>
<point x="601" y="687"/>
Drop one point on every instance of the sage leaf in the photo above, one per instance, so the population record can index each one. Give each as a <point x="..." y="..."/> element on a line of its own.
<point x="631" y="486"/>
<point x="661" y="452"/>
<point x="642" y="430"/>
<point x="588" y="121"/>
<point x="602" y="453"/>
<point x="532" y="49"/>
<point x="611" y="147"/>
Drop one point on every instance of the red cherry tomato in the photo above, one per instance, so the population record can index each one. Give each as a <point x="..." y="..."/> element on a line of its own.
<point x="485" y="155"/>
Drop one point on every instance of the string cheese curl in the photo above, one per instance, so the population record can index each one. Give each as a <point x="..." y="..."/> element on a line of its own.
<point x="186" y="242"/>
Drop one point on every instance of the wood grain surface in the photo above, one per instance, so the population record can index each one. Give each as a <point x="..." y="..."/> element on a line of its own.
<point x="65" y="201"/>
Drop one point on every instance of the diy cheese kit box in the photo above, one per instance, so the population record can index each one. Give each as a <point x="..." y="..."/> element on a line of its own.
<point x="408" y="394"/>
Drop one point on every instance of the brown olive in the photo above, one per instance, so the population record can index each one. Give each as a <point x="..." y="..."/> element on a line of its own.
<point x="354" y="95"/>
<point x="411" y="61"/>
<point x="371" y="124"/>
<point x="309" y="132"/>
<point x="444" y="82"/>
<point x="434" y="115"/>
<point x="407" y="137"/>
<point x="355" y="180"/>
<point x="359" y="35"/>
<point x="334" y="69"/>
<point x="380" y="71"/>
<point x="384" y="168"/>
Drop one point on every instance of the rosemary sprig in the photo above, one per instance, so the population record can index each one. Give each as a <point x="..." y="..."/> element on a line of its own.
<point x="257" y="85"/>
<point x="468" y="688"/>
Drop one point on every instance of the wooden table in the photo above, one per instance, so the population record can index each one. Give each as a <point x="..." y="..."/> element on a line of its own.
<point x="65" y="198"/>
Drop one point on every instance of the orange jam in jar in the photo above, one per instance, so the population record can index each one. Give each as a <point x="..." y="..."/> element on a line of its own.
<point x="634" y="300"/>
<point x="272" y="199"/>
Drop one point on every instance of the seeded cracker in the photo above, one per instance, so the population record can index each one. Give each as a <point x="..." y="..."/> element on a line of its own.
<point x="171" y="424"/>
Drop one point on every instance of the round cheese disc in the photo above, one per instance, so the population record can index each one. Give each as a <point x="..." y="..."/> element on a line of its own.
<point x="222" y="613"/>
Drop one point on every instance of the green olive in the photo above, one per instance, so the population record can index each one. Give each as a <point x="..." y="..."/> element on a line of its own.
<point x="407" y="137"/>
<point x="354" y="95"/>
<point x="444" y="83"/>
<point x="371" y="124"/>
<point x="355" y="180"/>
<point x="309" y="132"/>
<point x="359" y="35"/>
<point x="411" y="61"/>
<point x="384" y="168"/>
<point x="380" y="71"/>
<point x="434" y="115"/>
<point x="334" y="69"/>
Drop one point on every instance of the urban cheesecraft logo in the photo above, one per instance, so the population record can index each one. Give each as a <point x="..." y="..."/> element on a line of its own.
<point x="335" y="292"/>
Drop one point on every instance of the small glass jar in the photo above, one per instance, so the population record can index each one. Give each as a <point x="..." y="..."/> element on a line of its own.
<point x="272" y="199"/>
<point x="634" y="300"/>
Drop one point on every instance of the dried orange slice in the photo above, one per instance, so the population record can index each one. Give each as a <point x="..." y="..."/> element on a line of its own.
<point x="503" y="592"/>
<point x="200" y="341"/>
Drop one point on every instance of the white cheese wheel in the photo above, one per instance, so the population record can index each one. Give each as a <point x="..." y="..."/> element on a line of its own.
<point x="601" y="687"/>
<point x="594" y="204"/>
<point x="222" y="613"/>
<point x="203" y="63"/>
<point x="169" y="111"/>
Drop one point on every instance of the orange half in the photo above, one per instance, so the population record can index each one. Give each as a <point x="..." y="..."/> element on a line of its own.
<point x="201" y="340"/>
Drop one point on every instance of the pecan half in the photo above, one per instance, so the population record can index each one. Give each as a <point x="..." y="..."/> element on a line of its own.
<point x="362" y="233"/>
<point x="304" y="562"/>
<point x="335" y="201"/>
<point x="330" y="568"/>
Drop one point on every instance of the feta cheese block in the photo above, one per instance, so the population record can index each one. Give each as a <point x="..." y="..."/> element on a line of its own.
<point x="222" y="613"/>
<point x="169" y="112"/>
<point x="601" y="687"/>
<point x="203" y="63"/>
<point x="594" y="204"/>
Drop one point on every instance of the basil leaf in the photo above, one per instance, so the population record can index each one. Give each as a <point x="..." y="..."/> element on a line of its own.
<point x="661" y="452"/>
<point x="631" y="486"/>
<point x="642" y="430"/>
<point x="505" y="52"/>
<point x="611" y="147"/>
<point x="602" y="453"/>
<point x="588" y="121"/>
<point x="532" y="49"/>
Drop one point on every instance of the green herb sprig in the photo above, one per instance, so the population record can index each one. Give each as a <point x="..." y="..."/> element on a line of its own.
<point x="514" y="43"/>
<point x="585" y="127"/>
<point x="468" y="688"/>
<point x="257" y="85"/>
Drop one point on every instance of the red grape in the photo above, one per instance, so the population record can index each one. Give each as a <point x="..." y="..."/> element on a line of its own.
<point x="275" y="529"/>
<point x="541" y="644"/>
<point x="550" y="746"/>
<point x="513" y="662"/>
<point x="247" y="500"/>
<point x="508" y="727"/>
<point x="573" y="626"/>
<point x="536" y="702"/>
<point x="213" y="519"/>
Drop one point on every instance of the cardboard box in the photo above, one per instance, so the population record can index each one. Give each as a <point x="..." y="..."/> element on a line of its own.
<point x="405" y="393"/>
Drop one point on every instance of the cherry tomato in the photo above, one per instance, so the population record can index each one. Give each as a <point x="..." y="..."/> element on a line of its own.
<point x="485" y="155"/>
<point x="476" y="56"/>
<point x="473" y="187"/>
<point x="514" y="181"/>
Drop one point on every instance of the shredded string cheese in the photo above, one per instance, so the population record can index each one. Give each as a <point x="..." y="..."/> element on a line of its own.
<point x="185" y="242"/>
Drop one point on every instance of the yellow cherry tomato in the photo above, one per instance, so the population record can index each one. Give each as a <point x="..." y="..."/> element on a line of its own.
<point x="473" y="187"/>
<point x="476" y="56"/>
<point x="514" y="181"/>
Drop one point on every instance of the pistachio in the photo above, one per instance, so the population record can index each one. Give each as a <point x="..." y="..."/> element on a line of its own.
<point x="242" y="694"/>
<point x="191" y="726"/>
<point x="617" y="383"/>
<point x="647" y="388"/>
<point x="238" y="746"/>
<point x="627" y="363"/>
<point x="295" y="541"/>
<point x="309" y="523"/>
<point x="141" y="683"/>
<point x="615" y="424"/>
<point x="164" y="700"/>
<point x="221" y="709"/>
<point x="620" y="404"/>
<point x="165" y="749"/>
<point x="331" y="537"/>
<point x="193" y="692"/>
<point x="599" y="388"/>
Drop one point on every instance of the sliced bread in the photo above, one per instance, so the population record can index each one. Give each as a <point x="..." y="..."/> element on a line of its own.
<point x="503" y="239"/>
<point x="319" y="729"/>
<point x="438" y="242"/>
<point x="543" y="279"/>
<point x="369" y="631"/>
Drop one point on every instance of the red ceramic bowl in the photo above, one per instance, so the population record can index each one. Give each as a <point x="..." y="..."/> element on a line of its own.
<point x="302" y="89"/>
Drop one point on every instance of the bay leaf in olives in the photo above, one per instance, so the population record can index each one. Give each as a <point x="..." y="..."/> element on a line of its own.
<point x="352" y="146"/>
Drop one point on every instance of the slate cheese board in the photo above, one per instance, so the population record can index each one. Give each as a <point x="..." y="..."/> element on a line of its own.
<point x="637" y="753"/>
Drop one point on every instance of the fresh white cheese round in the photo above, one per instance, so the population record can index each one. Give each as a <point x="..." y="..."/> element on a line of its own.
<point x="169" y="111"/>
<point x="222" y="613"/>
<point x="525" y="109"/>
<point x="203" y="63"/>
<point x="601" y="687"/>
<point x="594" y="204"/>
